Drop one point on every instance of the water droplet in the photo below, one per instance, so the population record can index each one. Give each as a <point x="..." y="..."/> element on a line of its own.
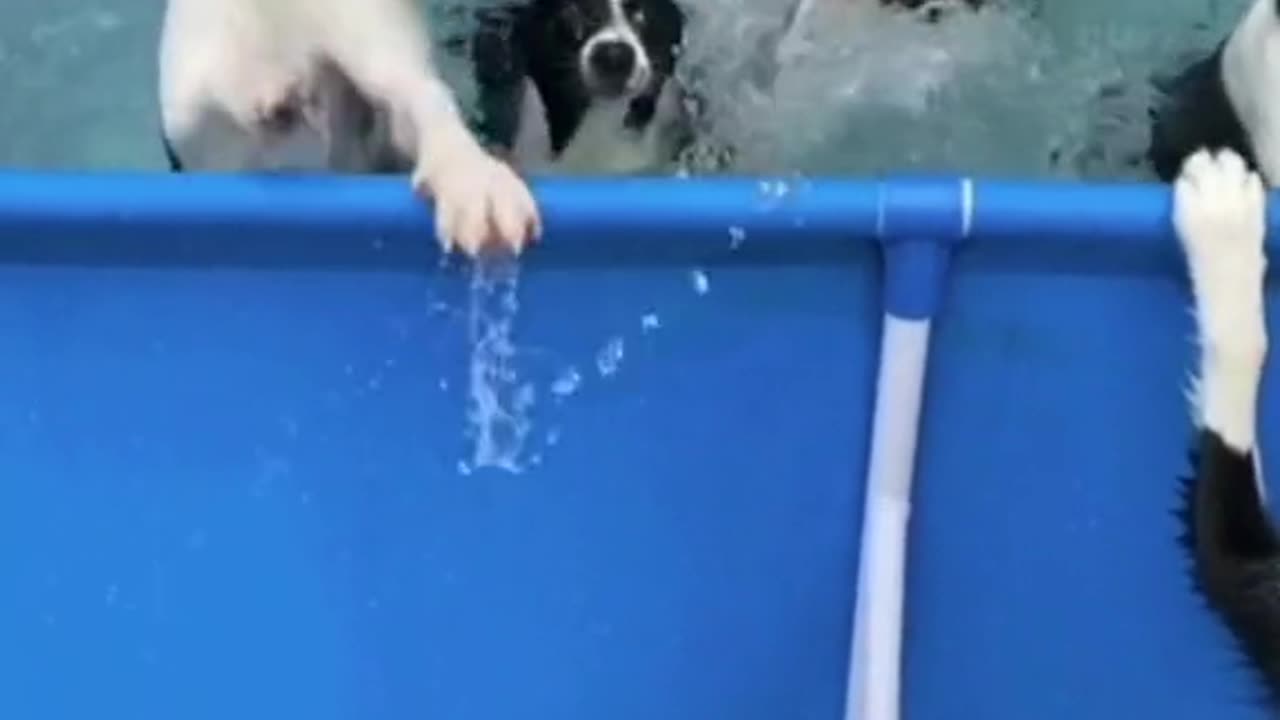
<point x="609" y="357"/>
<point x="567" y="384"/>
<point x="737" y="236"/>
<point x="701" y="283"/>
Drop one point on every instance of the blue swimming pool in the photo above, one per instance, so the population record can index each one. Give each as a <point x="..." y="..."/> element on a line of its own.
<point x="243" y="472"/>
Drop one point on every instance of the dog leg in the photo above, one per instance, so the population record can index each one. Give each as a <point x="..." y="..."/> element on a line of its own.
<point x="1220" y="216"/>
<point x="479" y="200"/>
<point x="1219" y="213"/>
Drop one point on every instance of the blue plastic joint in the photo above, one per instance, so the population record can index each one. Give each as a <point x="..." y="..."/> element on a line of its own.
<point x="919" y="221"/>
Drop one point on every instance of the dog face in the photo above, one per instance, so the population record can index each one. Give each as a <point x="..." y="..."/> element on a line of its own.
<point x="610" y="49"/>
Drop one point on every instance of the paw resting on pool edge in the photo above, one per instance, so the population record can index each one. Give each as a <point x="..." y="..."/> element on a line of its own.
<point x="481" y="204"/>
<point x="1219" y="212"/>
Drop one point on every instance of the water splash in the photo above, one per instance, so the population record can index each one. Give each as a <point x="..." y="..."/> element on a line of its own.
<point x="1024" y="86"/>
<point x="505" y="381"/>
<point x="500" y="402"/>
<point x="567" y="383"/>
<point x="700" y="281"/>
<point x="609" y="358"/>
<point x="737" y="236"/>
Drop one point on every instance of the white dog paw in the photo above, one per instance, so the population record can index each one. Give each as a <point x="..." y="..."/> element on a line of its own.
<point x="1220" y="209"/>
<point x="480" y="202"/>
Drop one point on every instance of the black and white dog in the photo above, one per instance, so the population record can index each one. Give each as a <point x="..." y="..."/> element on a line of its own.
<point x="583" y="85"/>
<point x="1220" y="216"/>
<point x="1229" y="103"/>
<point x="1230" y="99"/>
<point x="591" y="85"/>
<point x="337" y="85"/>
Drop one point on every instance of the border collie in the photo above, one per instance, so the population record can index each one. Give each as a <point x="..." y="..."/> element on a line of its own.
<point x="1230" y="99"/>
<point x="336" y="85"/>
<point x="591" y="85"/>
<point x="583" y="85"/>
<point x="1220" y="216"/>
<point x="1229" y="102"/>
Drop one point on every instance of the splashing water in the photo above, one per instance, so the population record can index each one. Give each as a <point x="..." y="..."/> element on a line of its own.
<point x="1027" y="87"/>
<point x="1021" y="87"/>
<point x="609" y="357"/>
<point x="567" y="383"/>
<point x="499" y="401"/>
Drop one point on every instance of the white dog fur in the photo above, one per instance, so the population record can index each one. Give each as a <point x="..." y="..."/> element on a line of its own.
<point x="1251" y="75"/>
<point x="282" y="85"/>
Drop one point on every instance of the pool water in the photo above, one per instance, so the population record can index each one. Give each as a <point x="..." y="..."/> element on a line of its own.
<point x="1016" y="91"/>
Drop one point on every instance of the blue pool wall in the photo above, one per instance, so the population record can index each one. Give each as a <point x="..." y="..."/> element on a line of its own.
<point x="234" y="411"/>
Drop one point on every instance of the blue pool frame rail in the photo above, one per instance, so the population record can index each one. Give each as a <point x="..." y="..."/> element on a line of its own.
<point x="154" y="206"/>
<point x="917" y="221"/>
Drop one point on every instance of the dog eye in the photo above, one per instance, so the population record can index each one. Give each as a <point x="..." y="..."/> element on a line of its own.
<point x="633" y="11"/>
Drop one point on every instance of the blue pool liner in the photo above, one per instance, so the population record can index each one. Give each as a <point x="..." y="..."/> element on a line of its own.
<point x="919" y="222"/>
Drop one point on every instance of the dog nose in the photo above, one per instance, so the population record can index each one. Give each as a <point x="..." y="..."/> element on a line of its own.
<point x="613" y="59"/>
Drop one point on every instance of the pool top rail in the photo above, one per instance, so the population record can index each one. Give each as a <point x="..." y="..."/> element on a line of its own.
<point x="586" y="207"/>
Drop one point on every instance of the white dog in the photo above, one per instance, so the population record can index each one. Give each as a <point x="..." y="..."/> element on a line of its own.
<point x="337" y="85"/>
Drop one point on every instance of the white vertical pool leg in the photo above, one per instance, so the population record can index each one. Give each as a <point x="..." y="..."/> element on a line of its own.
<point x="875" y="667"/>
<point x="919" y="223"/>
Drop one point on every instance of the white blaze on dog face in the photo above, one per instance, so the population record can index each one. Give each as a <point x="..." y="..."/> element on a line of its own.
<point x="602" y="70"/>
<point x="601" y="49"/>
<point x="614" y="60"/>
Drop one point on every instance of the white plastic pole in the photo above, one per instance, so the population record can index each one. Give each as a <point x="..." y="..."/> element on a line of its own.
<point x="875" y="667"/>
